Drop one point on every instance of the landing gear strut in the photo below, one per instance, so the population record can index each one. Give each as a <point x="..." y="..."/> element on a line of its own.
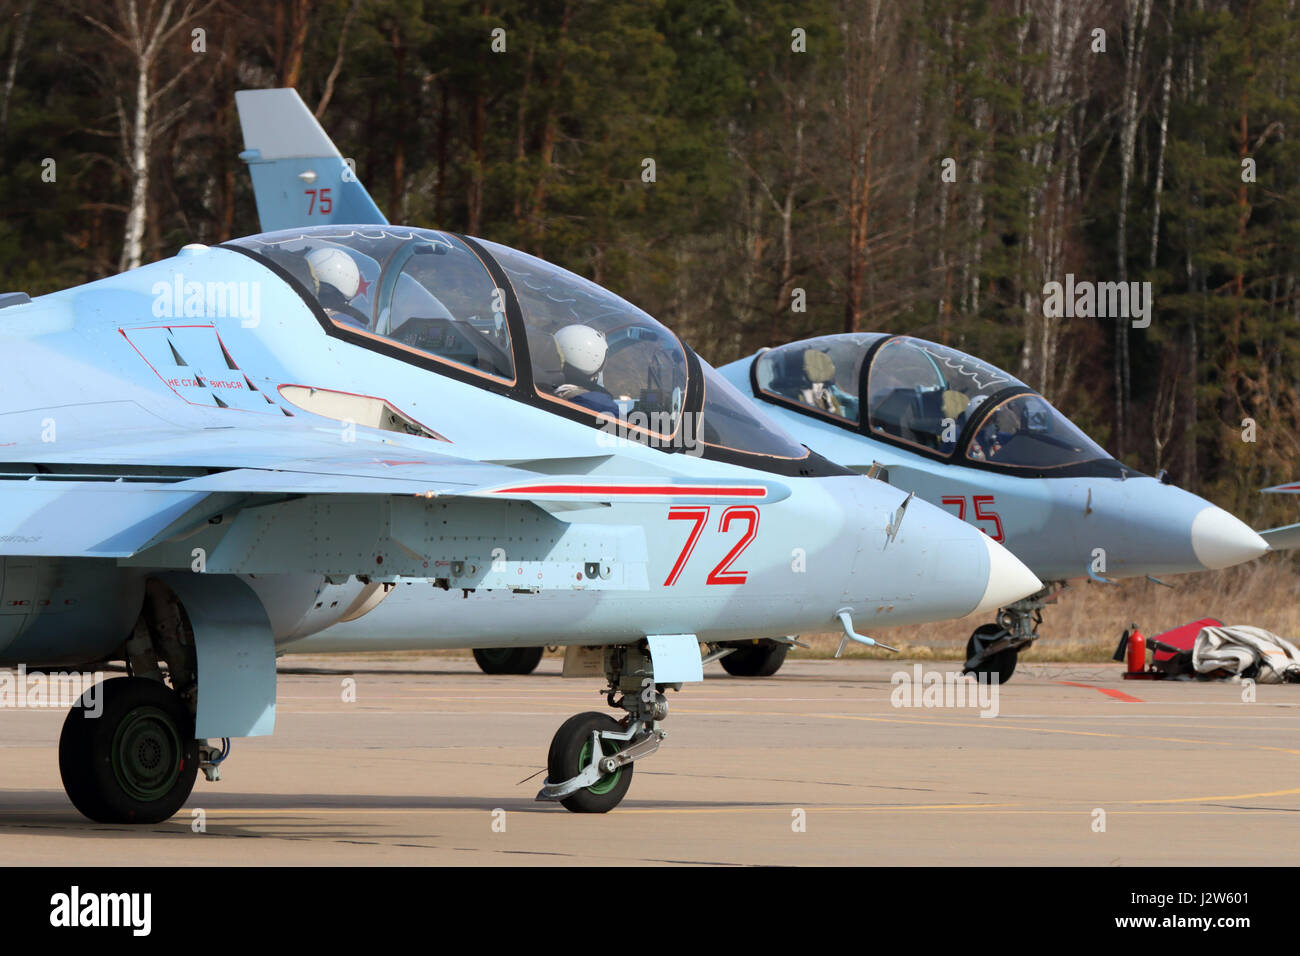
<point x="133" y="757"/>
<point x="589" y="766"/>
<point x="993" y="649"/>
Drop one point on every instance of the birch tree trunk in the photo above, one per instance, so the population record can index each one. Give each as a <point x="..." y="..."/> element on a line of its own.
<point x="144" y="38"/>
<point x="1166" y="87"/>
<point x="1136" y="15"/>
<point x="132" y="245"/>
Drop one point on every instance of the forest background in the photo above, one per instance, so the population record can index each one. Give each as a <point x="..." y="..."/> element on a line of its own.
<point x="919" y="166"/>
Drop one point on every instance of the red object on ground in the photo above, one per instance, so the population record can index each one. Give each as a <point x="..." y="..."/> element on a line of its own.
<point x="1137" y="652"/>
<point x="1183" y="637"/>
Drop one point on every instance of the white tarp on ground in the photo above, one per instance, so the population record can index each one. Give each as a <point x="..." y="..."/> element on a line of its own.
<point x="1238" y="647"/>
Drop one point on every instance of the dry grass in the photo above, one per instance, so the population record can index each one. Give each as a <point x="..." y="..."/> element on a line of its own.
<point x="1086" y="622"/>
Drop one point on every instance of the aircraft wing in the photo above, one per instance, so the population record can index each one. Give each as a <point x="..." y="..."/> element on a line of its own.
<point x="1288" y="536"/>
<point x="75" y="519"/>
<point x="1284" y="538"/>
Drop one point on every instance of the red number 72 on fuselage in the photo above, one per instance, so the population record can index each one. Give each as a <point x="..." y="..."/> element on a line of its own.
<point x="699" y="514"/>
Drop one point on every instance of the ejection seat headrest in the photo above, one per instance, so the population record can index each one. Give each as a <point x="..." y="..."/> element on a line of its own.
<point x="818" y="366"/>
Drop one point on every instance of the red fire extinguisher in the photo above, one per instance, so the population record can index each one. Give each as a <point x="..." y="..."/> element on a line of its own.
<point x="1137" y="652"/>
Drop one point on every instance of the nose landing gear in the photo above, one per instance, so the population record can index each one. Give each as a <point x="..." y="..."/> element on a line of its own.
<point x="590" y="762"/>
<point x="989" y="651"/>
<point x="994" y="649"/>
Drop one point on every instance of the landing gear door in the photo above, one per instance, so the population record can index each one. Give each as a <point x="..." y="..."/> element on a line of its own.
<point x="236" y="655"/>
<point x="676" y="658"/>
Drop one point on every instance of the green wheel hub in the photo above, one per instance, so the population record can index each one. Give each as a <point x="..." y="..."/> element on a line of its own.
<point x="609" y="781"/>
<point x="147" y="753"/>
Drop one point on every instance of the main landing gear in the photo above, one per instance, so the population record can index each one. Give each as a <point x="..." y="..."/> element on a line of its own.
<point x="589" y="766"/>
<point x="127" y="753"/>
<point x="755" y="659"/>
<point x="993" y="649"/>
<point x="508" y="660"/>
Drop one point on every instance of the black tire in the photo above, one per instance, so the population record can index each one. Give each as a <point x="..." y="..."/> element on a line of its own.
<point x="1002" y="664"/>
<point x="755" y="660"/>
<point x="508" y="660"/>
<point x="134" y="763"/>
<point x="570" y="753"/>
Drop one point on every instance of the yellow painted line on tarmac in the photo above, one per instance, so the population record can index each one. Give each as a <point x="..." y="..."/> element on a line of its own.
<point x="1233" y="796"/>
<point x="783" y="808"/>
<point x="999" y="723"/>
<point x="974" y="808"/>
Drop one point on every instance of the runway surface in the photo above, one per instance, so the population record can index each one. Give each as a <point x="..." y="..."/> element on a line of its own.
<point x="420" y="767"/>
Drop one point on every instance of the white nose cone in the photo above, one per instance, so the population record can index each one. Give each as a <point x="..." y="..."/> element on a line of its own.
<point x="1220" y="540"/>
<point x="1009" y="580"/>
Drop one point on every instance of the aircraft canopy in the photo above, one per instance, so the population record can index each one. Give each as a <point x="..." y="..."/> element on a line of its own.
<point x="924" y="396"/>
<point x="573" y="346"/>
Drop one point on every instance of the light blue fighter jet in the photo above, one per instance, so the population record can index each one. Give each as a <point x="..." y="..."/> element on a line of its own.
<point x="209" y="458"/>
<point x="300" y="179"/>
<point x="967" y="436"/>
<point x="954" y="430"/>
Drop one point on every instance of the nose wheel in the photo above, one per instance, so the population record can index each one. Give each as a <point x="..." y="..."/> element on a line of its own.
<point x="589" y="766"/>
<point x="572" y="752"/>
<point x="981" y="648"/>
<point x="993" y="649"/>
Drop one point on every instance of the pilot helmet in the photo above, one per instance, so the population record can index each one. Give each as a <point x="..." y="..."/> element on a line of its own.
<point x="334" y="267"/>
<point x="582" y="347"/>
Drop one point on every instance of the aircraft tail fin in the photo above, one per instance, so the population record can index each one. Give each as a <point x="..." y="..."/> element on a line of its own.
<point x="299" y="176"/>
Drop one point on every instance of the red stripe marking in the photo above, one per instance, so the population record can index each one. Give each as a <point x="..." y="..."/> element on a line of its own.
<point x="1109" y="692"/>
<point x="748" y="491"/>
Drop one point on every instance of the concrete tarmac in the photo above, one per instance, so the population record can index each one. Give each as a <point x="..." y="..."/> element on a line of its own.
<point x="814" y="766"/>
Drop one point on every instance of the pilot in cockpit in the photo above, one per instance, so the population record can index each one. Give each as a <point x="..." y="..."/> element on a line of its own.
<point x="818" y="370"/>
<point x="1000" y="428"/>
<point x="582" y="352"/>
<point x="337" y="282"/>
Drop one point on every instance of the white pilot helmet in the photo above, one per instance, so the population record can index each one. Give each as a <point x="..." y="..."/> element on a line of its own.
<point x="582" y="347"/>
<point x="333" y="265"/>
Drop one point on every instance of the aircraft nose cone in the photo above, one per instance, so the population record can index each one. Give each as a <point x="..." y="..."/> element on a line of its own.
<point x="1219" y="540"/>
<point x="1009" y="580"/>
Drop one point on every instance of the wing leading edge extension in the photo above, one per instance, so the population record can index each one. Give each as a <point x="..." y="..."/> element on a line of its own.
<point x="307" y="504"/>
